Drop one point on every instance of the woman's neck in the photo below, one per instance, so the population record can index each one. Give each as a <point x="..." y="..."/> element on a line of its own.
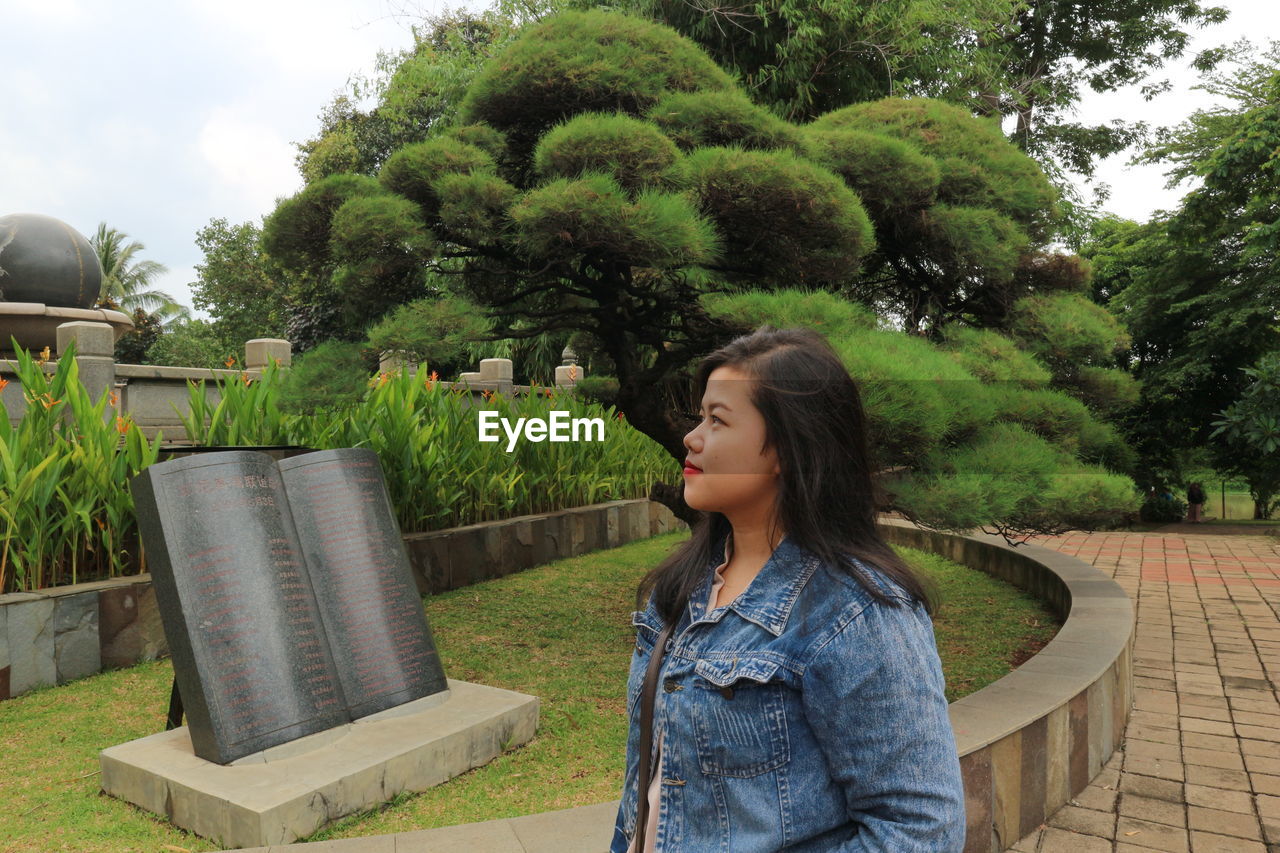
<point x="754" y="543"/>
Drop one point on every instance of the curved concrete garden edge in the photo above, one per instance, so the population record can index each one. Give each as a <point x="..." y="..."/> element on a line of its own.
<point x="1034" y="739"/>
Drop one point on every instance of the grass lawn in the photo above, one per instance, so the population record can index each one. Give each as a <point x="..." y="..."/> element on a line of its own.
<point x="561" y="632"/>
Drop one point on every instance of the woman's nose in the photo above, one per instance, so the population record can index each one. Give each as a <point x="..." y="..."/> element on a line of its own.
<point x="690" y="438"/>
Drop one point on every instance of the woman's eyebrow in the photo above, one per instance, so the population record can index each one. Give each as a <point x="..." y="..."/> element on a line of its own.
<point x="716" y="405"/>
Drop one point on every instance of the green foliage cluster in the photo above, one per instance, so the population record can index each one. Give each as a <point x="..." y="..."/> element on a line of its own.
<point x="700" y="119"/>
<point x="804" y="59"/>
<point x="1162" y="510"/>
<point x="595" y="215"/>
<point x="1199" y="288"/>
<point x="635" y="153"/>
<point x="66" y="514"/>
<point x="583" y="62"/>
<point x="988" y="446"/>
<point x="1080" y="342"/>
<point x="432" y="333"/>
<point x="417" y="90"/>
<point x="328" y="377"/>
<point x="438" y="474"/>
<point x="994" y="358"/>
<point x="239" y="286"/>
<point x="1248" y="434"/>
<point x="976" y="167"/>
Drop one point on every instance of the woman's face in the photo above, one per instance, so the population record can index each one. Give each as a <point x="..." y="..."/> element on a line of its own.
<point x="726" y="469"/>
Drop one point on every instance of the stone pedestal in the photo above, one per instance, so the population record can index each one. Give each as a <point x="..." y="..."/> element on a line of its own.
<point x="95" y="355"/>
<point x="260" y="352"/>
<point x="567" y="375"/>
<point x="499" y="372"/>
<point x="290" y="791"/>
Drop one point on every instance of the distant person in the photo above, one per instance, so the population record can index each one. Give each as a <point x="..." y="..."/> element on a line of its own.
<point x="798" y="703"/>
<point x="1195" y="504"/>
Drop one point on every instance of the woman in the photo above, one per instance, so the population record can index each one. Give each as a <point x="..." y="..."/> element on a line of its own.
<point x="800" y="700"/>
<point x="1195" y="504"/>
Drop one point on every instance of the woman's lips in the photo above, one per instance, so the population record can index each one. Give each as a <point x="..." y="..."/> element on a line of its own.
<point x="690" y="469"/>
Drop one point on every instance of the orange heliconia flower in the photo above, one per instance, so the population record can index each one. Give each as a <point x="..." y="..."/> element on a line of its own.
<point x="115" y="399"/>
<point x="434" y="376"/>
<point x="44" y="356"/>
<point x="244" y="377"/>
<point x="230" y="362"/>
<point x="47" y="400"/>
<point x="3" y="384"/>
<point x="122" y="425"/>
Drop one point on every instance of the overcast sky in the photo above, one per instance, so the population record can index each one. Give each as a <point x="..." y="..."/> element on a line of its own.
<point x="156" y="117"/>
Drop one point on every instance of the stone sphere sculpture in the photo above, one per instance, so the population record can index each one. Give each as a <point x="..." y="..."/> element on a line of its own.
<point x="49" y="275"/>
<point x="43" y="259"/>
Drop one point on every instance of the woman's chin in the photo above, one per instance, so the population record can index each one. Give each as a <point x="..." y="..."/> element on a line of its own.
<point x="692" y="501"/>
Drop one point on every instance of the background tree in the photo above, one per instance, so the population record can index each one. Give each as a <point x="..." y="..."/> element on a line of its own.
<point x="957" y="209"/>
<point x="127" y="278"/>
<point x="805" y="59"/>
<point x="1028" y="61"/>
<point x="603" y="177"/>
<point x="413" y="89"/>
<point x="127" y="286"/>
<point x="236" y="285"/>
<point x="1248" y="434"/>
<point x="1199" y="289"/>
<point x="1055" y="48"/>
<point x="195" y="343"/>
<point x="135" y="345"/>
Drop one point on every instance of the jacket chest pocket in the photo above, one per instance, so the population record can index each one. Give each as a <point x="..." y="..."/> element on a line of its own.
<point x="647" y="626"/>
<point x="739" y="718"/>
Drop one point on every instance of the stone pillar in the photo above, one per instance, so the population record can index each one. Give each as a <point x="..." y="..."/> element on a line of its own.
<point x="95" y="356"/>
<point x="569" y="372"/>
<point x="390" y="362"/>
<point x="497" y="371"/>
<point x="260" y="352"/>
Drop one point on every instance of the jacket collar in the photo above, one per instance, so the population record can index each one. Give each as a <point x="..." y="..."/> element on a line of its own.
<point x="768" y="599"/>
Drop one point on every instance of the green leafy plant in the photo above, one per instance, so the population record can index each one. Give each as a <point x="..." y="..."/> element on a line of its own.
<point x="439" y="474"/>
<point x="64" y="470"/>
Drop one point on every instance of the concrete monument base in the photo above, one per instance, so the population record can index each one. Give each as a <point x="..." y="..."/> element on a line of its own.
<point x="290" y="791"/>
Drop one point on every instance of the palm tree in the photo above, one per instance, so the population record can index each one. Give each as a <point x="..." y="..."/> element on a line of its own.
<point x="126" y="278"/>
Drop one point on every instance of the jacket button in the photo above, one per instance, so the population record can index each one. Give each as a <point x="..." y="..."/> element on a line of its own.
<point x="670" y="686"/>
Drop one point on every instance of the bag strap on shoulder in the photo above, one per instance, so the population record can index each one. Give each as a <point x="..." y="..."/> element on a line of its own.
<point x="646" y="733"/>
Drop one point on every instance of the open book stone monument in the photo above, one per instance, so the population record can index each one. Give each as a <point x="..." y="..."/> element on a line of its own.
<point x="301" y="653"/>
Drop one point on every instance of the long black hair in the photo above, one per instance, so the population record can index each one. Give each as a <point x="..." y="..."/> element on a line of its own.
<point x="826" y="500"/>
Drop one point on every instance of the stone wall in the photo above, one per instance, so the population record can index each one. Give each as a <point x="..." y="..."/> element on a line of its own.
<point x="54" y="636"/>
<point x="61" y="634"/>
<point x="1034" y="739"/>
<point x="157" y="397"/>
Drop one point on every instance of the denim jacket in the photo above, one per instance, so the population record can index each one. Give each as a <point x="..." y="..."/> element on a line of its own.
<point x="802" y="716"/>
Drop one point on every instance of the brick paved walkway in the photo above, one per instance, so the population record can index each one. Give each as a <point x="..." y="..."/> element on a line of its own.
<point x="1199" y="770"/>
